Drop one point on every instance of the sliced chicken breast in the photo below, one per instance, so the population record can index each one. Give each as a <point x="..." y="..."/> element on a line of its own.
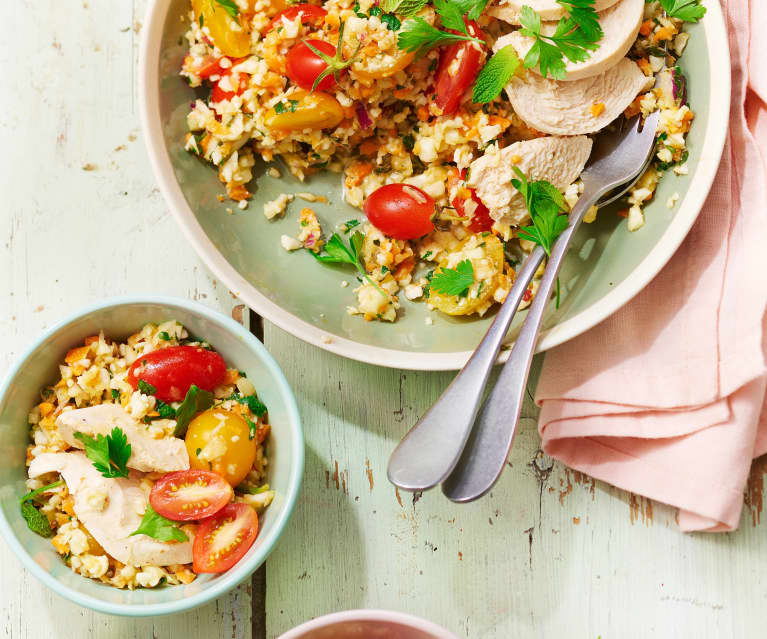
<point x="110" y="510"/>
<point x="508" y="10"/>
<point x="148" y="454"/>
<point x="620" y="24"/>
<point x="559" y="160"/>
<point x="579" y="107"/>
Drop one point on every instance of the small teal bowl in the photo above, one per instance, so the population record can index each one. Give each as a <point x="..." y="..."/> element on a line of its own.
<point x="119" y="318"/>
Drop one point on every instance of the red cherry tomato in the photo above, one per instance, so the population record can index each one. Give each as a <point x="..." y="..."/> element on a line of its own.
<point x="452" y="80"/>
<point x="190" y="494"/>
<point x="400" y="211"/>
<point x="218" y="94"/>
<point x="222" y="540"/>
<point x="174" y="369"/>
<point x="308" y="12"/>
<point x="304" y="65"/>
<point x="480" y="216"/>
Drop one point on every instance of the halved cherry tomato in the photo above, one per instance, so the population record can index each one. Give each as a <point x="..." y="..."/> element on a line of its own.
<point x="190" y="494"/>
<point x="458" y="67"/>
<point x="304" y="65"/>
<point x="222" y="540"/>
<point x="220" y="440"/>
<point x="226" y="32"/>
<point x="400" y="211"/>
<point x="303" y="110"/>
<point x="218" y="94"/>
<point x="480" y="216"/>
<point x="308" y="12"/>
<point x="174" y="369"/>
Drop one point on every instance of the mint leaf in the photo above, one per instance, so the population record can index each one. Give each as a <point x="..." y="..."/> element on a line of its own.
<point x="454" y="281"/>
<point x="158" y="527"/>
<point x="196" y="401"/>
<point x="36" y="521"/>
<point x="495" y="75"/>
<point x="407" y="8"/>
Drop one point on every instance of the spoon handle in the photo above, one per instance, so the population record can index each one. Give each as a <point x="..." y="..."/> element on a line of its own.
<point x="488" y="449"/>
<point x="432" y="448"/>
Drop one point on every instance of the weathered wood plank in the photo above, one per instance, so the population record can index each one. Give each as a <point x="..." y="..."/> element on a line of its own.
<point x="81" y="220"/>
<point x="549" y="550"/>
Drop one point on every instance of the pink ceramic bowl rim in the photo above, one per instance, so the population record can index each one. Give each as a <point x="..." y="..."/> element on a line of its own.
<point x="404" y="619"/>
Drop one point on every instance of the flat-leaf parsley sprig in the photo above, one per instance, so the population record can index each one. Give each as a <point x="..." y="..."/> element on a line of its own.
<point x="545" y="204"/>
<point x="575" y="37"/>
<point x="418" y="35"/>
<point x="685" y="10"/>
<point x="109" y="454"/>
<point x="338" y="253"/>
<point x="455" y="281"/>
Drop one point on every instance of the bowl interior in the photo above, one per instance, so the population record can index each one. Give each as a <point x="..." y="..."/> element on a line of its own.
<point x="364" y="630"/>
<point x="604" y="255"/>
<point x="285" y="449"/>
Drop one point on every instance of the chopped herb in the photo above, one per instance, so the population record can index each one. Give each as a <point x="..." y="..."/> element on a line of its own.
<point x="201" y="21"/>
<point x="256" y="406"/>
<point x="166" y="411"/>
<point x="251" y="428"/>
<point x="146" y="388"/>
<point x="164" y="336"/>
<point x="454" y="281"/>
<point x="196" y="401"/>
<point x="115" y="393"/>
<point x="281" y="107"/>
<point x="391" y="21"/>
<point x="384" y="268"/>
<point x="408" y="141"/>
<point x="197" y="452"/>
<point x="375" y="11"/>
<point x="350" y="224"/>
<point x="357" y="12"/>
<point x="34" y="494"/>
<point x="545" y="203"/>
<point x="426" y="255"/>
<point x="686" y="10"/>
<point x="230" y="7"/>
<point x="158" y="527"/>
<point x="109" y="454"/>
<point x="338" y="253"/>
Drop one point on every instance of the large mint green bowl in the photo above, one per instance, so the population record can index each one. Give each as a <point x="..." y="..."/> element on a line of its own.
<point x="119" y="318"/>
<point x="607" y="266"/>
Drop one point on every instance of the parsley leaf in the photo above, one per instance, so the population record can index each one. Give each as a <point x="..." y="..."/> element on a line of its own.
<point x="256" y="406"/>
<point x="146" y="387"/>
<point x="158" y="527"/>
<point x="472" y="9"/>
<point x="391" y="21"/>
<point x="575" y="37"/>
<point x="166" y="411"/>
<point x="407" y="8"/>
<point x="495" y="75"/>
<point x="454" y="281"/>
<point x="251" y="428"/>
<point x="36" y="521"/>
<point x="686" y="10"/>
<point x="164" y="336"/>
<point x="350" y="224"/>
<point x="196" y="401"/>
<point x="339" y="253"/>
<point x="545" y="203"/>
<point x="419" y="36"/>
<point x="109" y="454"/>
<point x="230" y="7"/>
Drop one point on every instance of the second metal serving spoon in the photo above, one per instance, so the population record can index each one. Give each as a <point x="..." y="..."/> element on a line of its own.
<point x="431" y="451"/>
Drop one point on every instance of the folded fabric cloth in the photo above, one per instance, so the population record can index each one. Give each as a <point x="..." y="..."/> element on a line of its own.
<point x="665" y="397"/>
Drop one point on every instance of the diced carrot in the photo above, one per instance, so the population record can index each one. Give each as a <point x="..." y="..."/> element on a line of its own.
<point x="60" y="546"/>
<point x="504" y="123"/>
<point x="634" y="108"/>
<point x="401" y="94"/>
<point x="623" y="213"/>
<point x="232" y="375"/>
<point x="237" y="192"/>
<point x="646" y="28"/>
<point x="333" y="21"/>
<point x="423" y="113"/>
<point x="370" y="50"/>
<point x="91" y="340"/>
<point x="68" y="506"/>
<point x="357" y="171"/>
<point x="46" y="408"/>
<point x="597" y="109"/>
<point x="262" y="432"/>
<point x="664" y="33"/>
<point x="369" y="146"/>
<point x="644" y="64"/>
<point x="76" y="354"/>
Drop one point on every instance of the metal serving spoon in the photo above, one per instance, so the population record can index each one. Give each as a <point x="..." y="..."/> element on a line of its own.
<point x="433" y="447"/>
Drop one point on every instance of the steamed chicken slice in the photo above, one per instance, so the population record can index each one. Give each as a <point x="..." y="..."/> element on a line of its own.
<point x="577" y="107"/>
<point x="509" y="10"/>
<point x="559" y="160"/>
<point x="620" y="24"/>
<point x="110" y="510"/>
<point x="148" y="454"/>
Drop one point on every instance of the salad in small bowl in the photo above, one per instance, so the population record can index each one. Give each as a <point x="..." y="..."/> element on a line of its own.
<point x="163" y="455"/>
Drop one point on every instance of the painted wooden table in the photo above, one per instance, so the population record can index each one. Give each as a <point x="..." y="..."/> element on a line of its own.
<point x="550" y="550"/>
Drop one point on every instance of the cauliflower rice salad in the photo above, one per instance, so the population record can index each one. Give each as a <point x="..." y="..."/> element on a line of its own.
<point x="148" y="460"/>
<point x="460" y="127"/>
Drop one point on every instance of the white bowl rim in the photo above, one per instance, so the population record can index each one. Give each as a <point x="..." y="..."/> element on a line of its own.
<point x="240" y="571"/>
<point x="700" y="184"/>
<point x="370" y="614"/>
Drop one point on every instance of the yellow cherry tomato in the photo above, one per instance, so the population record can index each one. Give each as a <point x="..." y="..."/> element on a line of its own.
<point x="226" y="32"/>
<point x="485" y="260"/>
<point x="219" y="440"/>
<point x="374" y="69"/>
<point x="303" y="110"/>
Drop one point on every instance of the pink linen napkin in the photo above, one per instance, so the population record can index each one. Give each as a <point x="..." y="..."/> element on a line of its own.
<point x="664" y="398"/>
